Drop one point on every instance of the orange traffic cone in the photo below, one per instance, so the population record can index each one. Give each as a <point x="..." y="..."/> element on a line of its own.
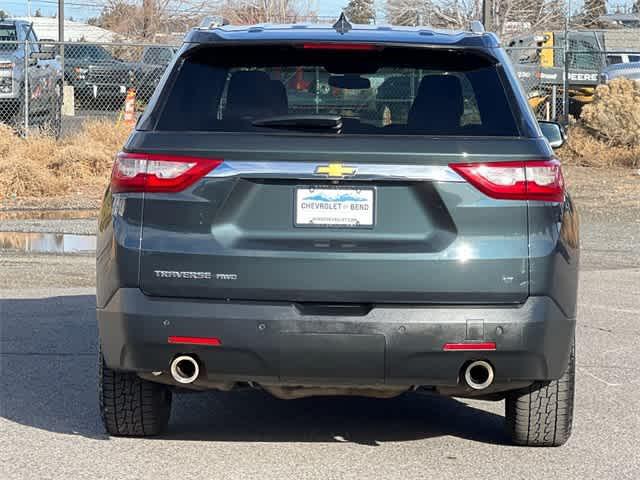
<point x="130" y="107"/>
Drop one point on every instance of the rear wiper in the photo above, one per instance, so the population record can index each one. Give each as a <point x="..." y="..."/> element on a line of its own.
<point x="331" y="123"/>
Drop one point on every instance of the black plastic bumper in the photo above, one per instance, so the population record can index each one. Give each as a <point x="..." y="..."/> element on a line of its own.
<point x="281" y="344"/>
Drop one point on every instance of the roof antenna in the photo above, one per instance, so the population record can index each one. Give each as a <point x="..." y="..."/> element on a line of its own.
<point x="342" y="26"/>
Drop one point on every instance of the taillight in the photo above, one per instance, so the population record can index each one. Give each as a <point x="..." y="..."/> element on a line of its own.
<point x="357" y="47"/>
<point x="146" y="172"/>
<point x="539" y="180"/>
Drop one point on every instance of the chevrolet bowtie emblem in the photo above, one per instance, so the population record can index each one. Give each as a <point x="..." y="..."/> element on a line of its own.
<point x="335" y="170"/>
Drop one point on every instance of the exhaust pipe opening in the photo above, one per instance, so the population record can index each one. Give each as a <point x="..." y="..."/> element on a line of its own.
<point x="479" y="375"/>
<point x="185" y="369"/>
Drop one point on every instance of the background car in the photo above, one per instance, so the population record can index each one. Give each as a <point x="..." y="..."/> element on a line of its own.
<point x="42" y="75"/>
<point x="630" y="70"/>
<point x="99" y="79"/>
<point x="153" y="63"/>
<point x="615" y="58"/>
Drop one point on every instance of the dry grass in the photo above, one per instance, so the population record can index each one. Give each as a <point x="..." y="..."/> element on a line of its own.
<point x="614" y="114"/>
<point x="608" y="132"/>
<point x="586" y="150"/>
<point x="42" y="166"/>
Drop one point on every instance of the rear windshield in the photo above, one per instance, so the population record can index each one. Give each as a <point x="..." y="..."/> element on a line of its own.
<point x="8" y="33"/>
<point x="381" y="91"/>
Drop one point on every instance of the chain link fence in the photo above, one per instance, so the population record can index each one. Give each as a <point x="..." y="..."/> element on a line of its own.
<point x="559" y="82"/>
<point x="56" y="86"/>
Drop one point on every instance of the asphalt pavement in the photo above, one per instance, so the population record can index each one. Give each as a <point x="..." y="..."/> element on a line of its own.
<point x="50" y="426"/>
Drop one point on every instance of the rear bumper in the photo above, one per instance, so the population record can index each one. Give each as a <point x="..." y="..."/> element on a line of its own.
<point x="276" y="344"/>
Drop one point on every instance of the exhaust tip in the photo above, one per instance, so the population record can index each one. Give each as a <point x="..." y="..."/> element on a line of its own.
<point x="185" y="369"/>
<point x="479" y="374"/>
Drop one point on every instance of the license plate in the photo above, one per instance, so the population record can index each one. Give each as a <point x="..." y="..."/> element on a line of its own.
<point x="334" y="207"/>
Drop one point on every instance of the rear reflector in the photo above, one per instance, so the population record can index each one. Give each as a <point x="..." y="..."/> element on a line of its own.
<point x="539" y="180"/>
<point x="357" y="47"/>
<point x="469" y="347"/>
<point x="212" y="341"/>
<point x="146" y="172"/>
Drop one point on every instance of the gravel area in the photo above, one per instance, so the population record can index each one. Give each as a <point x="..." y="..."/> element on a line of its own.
<point x="80" y="226"/>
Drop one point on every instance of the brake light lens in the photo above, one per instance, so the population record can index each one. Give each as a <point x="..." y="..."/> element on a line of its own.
<point x="539" y="180"/>
<point x="146" y="172"/>
<point x="469" y="347"/>
<point x="357" y="47"/>
<point x="211" y="341"/>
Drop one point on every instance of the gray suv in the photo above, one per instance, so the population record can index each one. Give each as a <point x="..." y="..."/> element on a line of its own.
<point x="263" y="232"/>
<point x="43" y="75"/>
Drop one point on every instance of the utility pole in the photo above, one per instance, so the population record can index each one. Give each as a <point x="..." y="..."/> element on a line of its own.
<point x="147" y="13"/>
<point x="61" y="34"/>
<point x="567" y="59"/>
<point x="487" y="11"/>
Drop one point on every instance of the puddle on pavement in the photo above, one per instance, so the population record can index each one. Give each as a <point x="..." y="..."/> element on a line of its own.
<point x="47" y="214"/>
<point x="60" y="243"/>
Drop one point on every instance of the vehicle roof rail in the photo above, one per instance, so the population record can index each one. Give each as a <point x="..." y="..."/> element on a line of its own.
<point x="476" y="27"/>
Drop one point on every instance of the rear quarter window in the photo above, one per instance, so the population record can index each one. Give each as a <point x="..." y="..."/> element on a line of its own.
<point x="386" y="91"/>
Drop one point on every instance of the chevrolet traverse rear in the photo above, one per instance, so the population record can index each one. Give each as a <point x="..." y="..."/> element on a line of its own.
<point x="339" y="211"/>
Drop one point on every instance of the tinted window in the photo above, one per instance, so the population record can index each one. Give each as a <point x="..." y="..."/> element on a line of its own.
<point x="8" y="33"/>
<point x="389" y="91"/>
<point x="614" y="59"/>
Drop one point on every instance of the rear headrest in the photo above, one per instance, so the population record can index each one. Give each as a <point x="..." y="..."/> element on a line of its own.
<point x="438" y="105"/>
<point x="253" y="94"/>
<point x="279" y="98"/>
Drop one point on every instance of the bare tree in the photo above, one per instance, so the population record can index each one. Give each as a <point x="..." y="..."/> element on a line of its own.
<point x="507" y="16"/>
<point x="408" y="12"/>
<point x="245" y="12"/>
<point x="361" y="11"/>
<point x="592" y="11"/>
<point x="145" y="20"/>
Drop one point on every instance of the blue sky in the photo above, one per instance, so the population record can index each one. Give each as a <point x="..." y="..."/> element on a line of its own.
<point x="330" y="7"/>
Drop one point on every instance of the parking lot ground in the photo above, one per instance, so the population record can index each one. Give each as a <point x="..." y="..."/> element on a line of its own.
<point x="50" y="426"/>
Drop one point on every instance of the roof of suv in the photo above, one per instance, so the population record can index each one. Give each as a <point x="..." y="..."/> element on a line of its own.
<point x="327" y="33"/>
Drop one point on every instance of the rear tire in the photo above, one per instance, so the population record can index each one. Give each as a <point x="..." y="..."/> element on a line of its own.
<point x="542" y="415"/>
<point x="131" y="406"/>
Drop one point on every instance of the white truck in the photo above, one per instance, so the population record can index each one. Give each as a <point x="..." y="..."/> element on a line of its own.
<point x="30" y="80"/>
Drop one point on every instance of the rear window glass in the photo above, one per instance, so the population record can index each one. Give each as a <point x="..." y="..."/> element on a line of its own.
<point x="8" y="33"/>
<point x="383" y="91"/>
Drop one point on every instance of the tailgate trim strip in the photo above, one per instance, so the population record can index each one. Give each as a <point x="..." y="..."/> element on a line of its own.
<point x="363" y="171"/>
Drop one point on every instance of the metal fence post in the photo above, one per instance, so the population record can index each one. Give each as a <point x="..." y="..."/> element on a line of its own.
<point x="26" y="87"/>
<point x="565" y="84"/>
